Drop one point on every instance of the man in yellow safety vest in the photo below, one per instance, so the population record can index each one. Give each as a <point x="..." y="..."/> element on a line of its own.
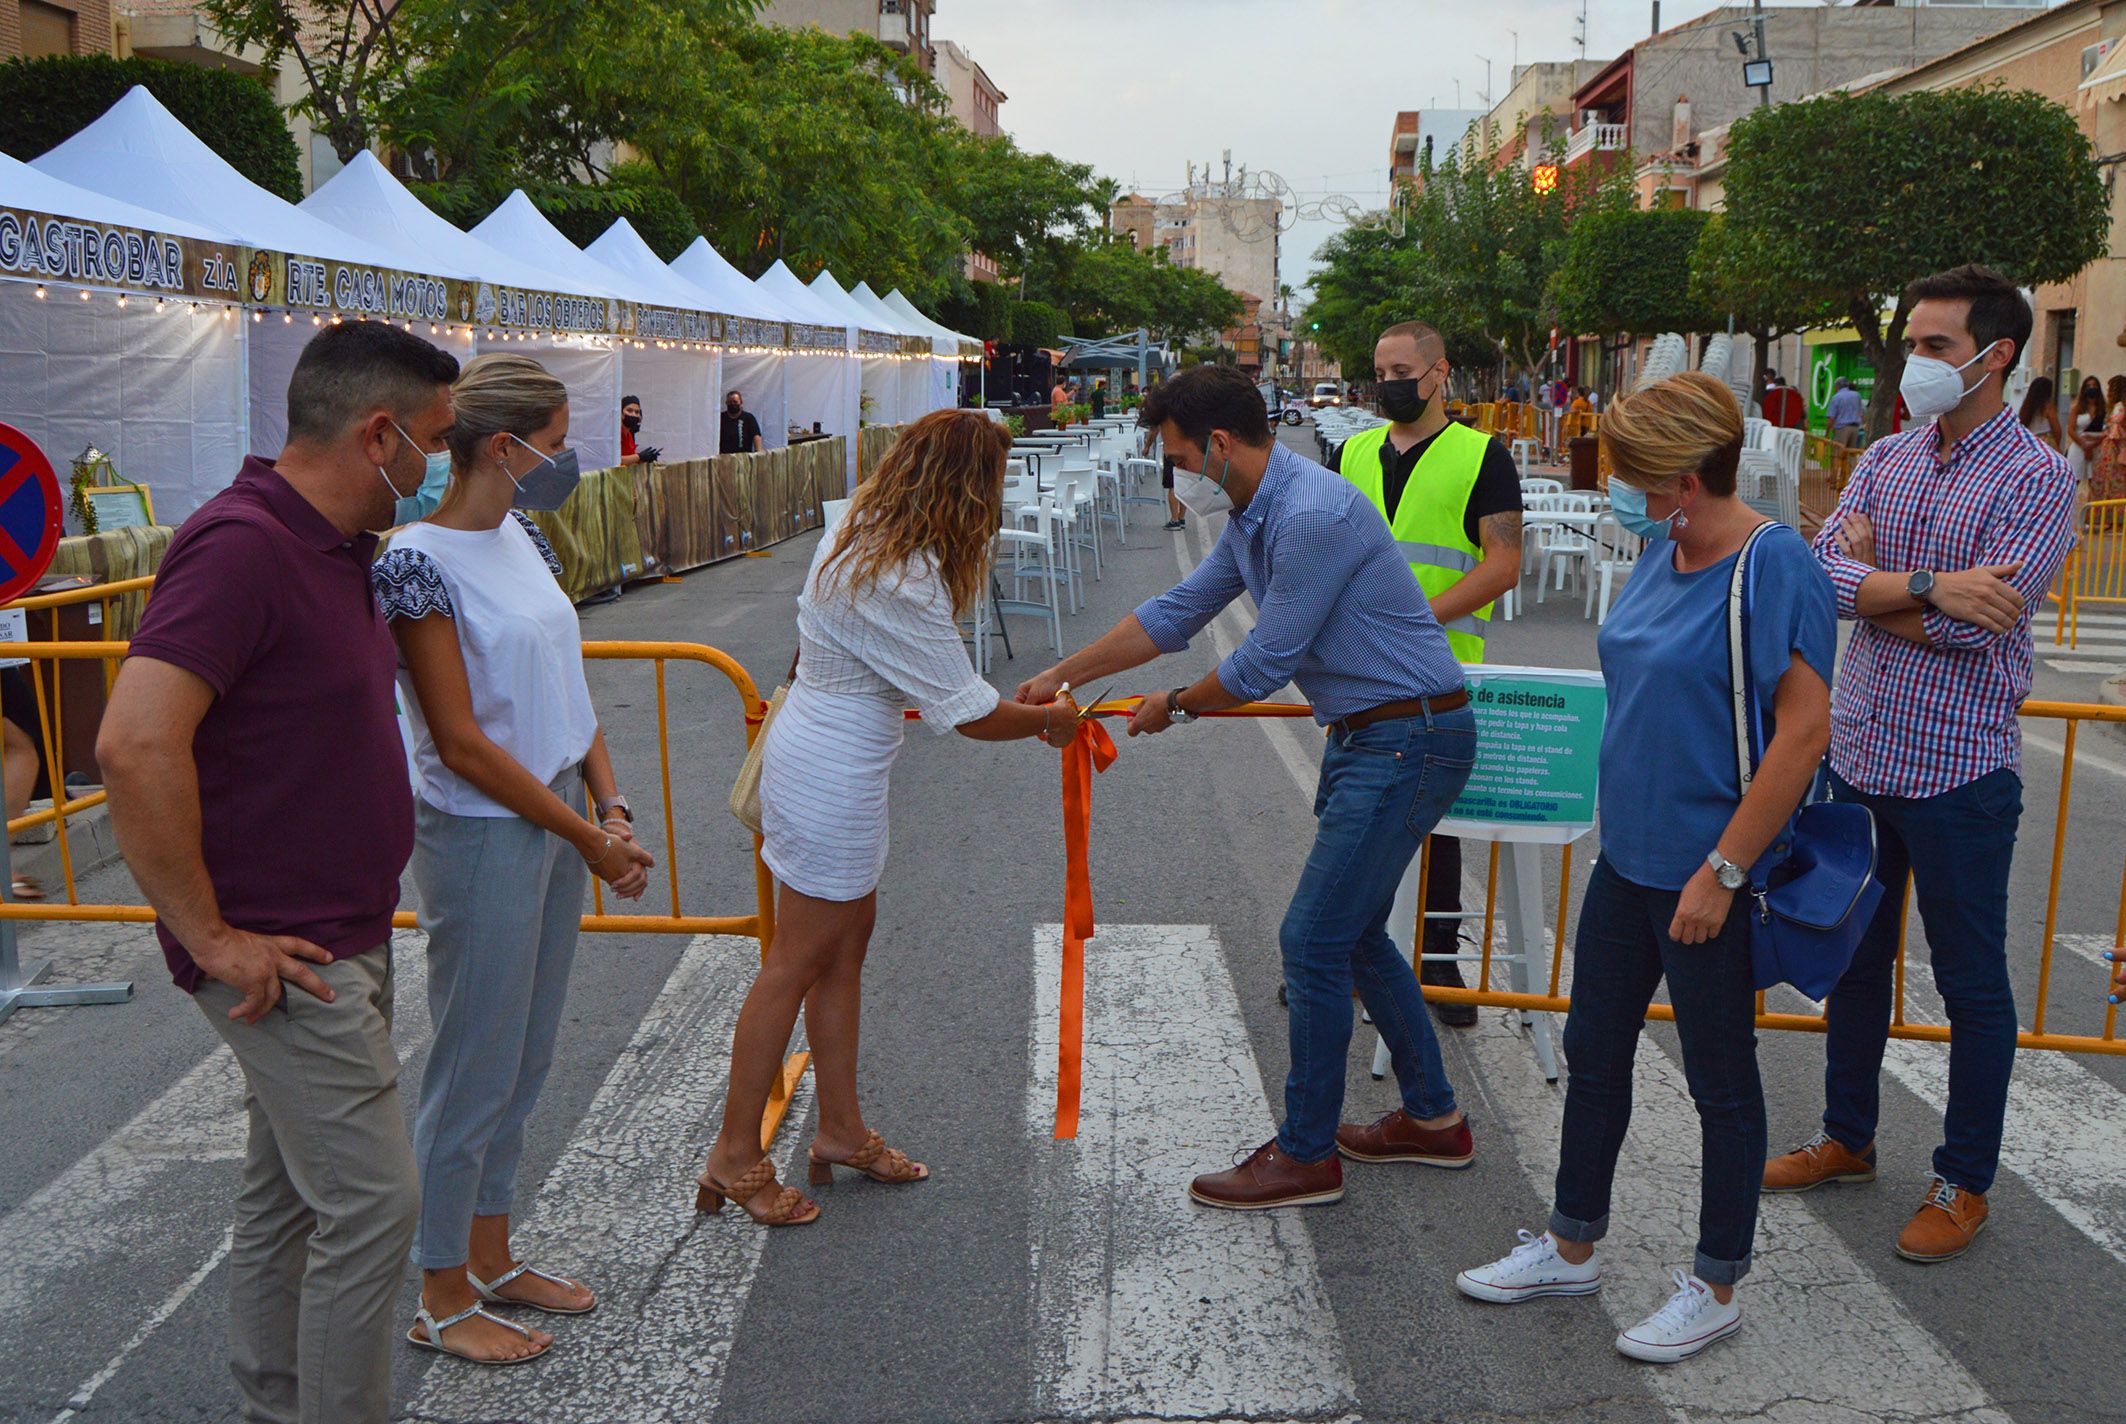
<point x="1452" y="499"/>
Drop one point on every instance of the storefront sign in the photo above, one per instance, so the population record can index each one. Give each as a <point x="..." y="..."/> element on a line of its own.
<point x="877" y="343"/>
<point x="675" y="324"/>
<point x="1538" y="749"/>
<point x="39" y="247"/>
<point x="519" y="309"/>
<point x="300" y="283"/>
<point x="751" y="331"/>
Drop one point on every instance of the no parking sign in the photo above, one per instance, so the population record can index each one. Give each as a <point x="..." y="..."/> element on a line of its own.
<point x="31" y="517"/>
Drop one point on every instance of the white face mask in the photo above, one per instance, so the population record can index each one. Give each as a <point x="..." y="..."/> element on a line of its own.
<point x="1931" y="387"/>
<point x="1200" y="495"/>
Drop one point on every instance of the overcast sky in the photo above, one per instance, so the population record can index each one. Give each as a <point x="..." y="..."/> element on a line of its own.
<point x="1307" y="89"/>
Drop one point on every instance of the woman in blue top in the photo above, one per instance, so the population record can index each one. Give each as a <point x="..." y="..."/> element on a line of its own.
<point x="1677" y="833"/>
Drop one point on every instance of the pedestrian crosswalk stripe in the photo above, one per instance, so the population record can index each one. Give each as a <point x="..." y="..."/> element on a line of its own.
<point x="617" y="1210"/>
<point x="1816" y="1322"/>
<point x="1143" y="1303"/>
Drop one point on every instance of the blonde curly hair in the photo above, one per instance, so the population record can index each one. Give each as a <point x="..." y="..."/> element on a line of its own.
<point x="939" y="491"/>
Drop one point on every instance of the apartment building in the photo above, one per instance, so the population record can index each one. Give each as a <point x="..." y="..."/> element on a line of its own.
<point x="898" y="24"/>
<point x="32" y="29"/>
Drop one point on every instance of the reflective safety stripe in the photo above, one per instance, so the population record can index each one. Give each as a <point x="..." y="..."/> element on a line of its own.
<point x="1438" y="555"/>
<point x="1472" y="625"/>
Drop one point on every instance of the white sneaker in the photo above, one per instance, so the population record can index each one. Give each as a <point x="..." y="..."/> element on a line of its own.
<point x="1534" y="1268"/>
<point x="1692" y="1319"/>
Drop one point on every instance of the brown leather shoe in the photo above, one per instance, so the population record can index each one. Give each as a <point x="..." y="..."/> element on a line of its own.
<point x="1396" y="1137"/>
<point x="1268" y="1178"/>
<point x="1945" y="1225"/>
<point x="1823" y="1158"/>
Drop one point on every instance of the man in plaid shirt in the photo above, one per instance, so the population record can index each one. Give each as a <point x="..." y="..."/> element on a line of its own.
<point x="1943" y="544"/>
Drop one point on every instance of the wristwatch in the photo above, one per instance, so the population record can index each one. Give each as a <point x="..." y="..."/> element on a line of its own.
<point x="1175" y="712"/>
<point x="1920" y="585"/>
<point x="606" y="810"/>
<point x="1730" y="875"/>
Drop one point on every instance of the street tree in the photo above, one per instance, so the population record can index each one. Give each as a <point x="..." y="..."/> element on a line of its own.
<point x="1627" y="272"/>
<point x="1849" y="197"/>
<point x="1734" y="281"/>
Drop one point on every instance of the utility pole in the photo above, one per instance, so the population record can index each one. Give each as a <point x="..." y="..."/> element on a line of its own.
<point x="1764" y="91"/>
<point x="1486" y="95"/>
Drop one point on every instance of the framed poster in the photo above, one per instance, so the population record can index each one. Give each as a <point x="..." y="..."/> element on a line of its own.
<point x="120" y="506"/>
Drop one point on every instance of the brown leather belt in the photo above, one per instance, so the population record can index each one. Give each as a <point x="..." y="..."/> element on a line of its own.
<point x="1408" y="707"/>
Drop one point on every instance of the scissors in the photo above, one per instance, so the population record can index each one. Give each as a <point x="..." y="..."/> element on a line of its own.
<point x="1087" y="710"/>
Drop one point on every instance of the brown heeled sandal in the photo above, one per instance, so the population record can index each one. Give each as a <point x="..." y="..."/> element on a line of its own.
<point x="788" y="1207"/>
<point x="874" y="1159"/>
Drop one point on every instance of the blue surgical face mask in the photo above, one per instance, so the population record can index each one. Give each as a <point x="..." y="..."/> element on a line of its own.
<point x="435" y="473"/>
<point x="1629" y="506"/>
<point x="548" y="484"/>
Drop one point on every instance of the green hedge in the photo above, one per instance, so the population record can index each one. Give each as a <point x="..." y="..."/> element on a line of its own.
<point x="44" y="102"/>
<point x="1038" y="324"/>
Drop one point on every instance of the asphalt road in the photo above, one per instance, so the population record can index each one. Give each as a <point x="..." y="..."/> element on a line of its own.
<point x="1036" y="1281"/>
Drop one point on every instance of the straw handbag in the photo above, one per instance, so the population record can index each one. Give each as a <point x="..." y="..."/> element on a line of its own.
<point x="745" y="792"/>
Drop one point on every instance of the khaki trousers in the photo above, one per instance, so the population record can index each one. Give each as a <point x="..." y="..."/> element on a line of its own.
<point x="328" y="1202"/>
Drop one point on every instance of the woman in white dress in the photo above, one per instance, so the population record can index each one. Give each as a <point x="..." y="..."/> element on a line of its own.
<point x="878" y="631"/>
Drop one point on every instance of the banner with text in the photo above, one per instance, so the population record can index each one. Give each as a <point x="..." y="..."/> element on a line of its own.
<point x="1538" y="750"/>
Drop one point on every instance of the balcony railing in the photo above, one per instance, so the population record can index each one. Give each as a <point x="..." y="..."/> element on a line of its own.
<point x="1594" y="138"/>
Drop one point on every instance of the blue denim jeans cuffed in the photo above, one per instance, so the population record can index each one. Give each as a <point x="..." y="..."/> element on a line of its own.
<point x="1621" y="953"/>
<point x="1383" y="788"/>
<point x="1958" y="847"/>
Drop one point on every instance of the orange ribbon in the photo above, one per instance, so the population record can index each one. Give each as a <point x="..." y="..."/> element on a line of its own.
<point x="1093" y="751"/>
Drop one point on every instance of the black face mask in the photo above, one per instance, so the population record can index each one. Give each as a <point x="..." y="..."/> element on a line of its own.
<point x="731" y="409"/>
<point x="1400" y="401"/>
<point x="632" y="422"/>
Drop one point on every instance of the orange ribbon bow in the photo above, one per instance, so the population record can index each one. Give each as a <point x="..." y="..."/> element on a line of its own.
<point x="1093" y="751"/>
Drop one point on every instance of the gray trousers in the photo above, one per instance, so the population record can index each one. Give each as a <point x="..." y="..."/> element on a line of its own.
<point x="500" y="900"/>
<point x="328" y="1199"/>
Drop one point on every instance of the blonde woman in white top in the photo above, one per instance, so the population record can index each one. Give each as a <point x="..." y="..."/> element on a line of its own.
<point x="505" y="741"/>
<point x="877" y="632"/>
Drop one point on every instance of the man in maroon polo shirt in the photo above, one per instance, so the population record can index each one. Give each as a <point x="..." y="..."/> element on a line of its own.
<point x="259" y="792"/>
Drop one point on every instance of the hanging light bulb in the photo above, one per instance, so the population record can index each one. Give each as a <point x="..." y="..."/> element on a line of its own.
<point x="317" y="321"/>
<point x="287" y="317"/>
<point x="84" y="294"/>
<point x="40" y="292"/>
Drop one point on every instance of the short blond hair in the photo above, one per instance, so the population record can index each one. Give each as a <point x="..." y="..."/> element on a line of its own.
<point x="1686" y="425"/>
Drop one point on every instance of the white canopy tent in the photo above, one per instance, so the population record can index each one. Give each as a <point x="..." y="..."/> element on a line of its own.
<point x="945" y="377"/>
<point x="878" y="372"/>
<point x="676" y="380"/>
<point x="759" y="373"/>
<point x="921" y="392"/>
<point x="156" y="385"/>
<point x="588" y="365"/>
<point x="821" y="389"/>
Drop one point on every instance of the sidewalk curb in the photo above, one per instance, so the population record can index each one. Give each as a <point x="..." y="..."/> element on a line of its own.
<point x="90" y="841"/>
<point x="2112" y="693"/>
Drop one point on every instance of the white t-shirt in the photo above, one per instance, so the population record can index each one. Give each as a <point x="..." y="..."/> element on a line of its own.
<point x="522" y="645"/>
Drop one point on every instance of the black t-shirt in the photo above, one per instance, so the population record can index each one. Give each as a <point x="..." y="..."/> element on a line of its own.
<point x="1497" y="489"/>
<point x="739" y="432"/>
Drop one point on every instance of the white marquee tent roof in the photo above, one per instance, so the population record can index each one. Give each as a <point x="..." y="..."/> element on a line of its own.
<point x="365" y="198"/>
<point x="139" y="153"/>
<point x="869" y="300"/>
<point x="622" y="249"/>
<point x="854" y="312"/>
<point x="781" y="284"/>
<point x="901" y="306"/>
<point x="22" y="186"/>
<point x="521" y="230"/>
<point x="731" y="293"/>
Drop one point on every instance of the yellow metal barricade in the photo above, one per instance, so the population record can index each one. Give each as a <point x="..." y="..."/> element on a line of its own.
<point x="2039" y="1035"/>
<point x="2095" y="572"/>
<point x="758" y="925"/>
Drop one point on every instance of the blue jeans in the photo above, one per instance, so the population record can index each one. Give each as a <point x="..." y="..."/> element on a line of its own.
<point x="1957" y="846"/>
<point x="1621" y="952"/>
<point x="1383" y="789"/>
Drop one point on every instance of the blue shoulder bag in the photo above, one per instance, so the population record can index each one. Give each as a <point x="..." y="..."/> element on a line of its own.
<point x="1813" y="892"/>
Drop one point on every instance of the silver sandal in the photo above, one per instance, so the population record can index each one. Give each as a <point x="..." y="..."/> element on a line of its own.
<point x="489" y="1291"/>
<point x="422" y="1320"/>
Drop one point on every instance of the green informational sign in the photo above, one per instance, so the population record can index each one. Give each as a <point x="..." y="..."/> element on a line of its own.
<point x="1538" y="748"/>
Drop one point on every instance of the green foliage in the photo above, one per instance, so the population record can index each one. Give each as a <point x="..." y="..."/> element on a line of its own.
<point x="44" y="102"/>
<point x="1016" y="424"/>
<point x="1628" y="271"/>
<point x="581" y="211"/>
<point x="1848" y="197"/>
<point x="1018" y="203"/>
<point x="1471" y="250"/>
<point x="980" y="309"/>
<point x="1039" y="324"/>
<point x="1108" y="286"/>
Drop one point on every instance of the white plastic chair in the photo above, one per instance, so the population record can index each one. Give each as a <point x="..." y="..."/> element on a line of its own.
<point x="1562" y="548"/>
<point x="1033" y="560"/>
<point x="1615" y="550"/>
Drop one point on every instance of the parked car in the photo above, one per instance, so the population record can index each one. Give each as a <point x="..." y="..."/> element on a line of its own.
<point x="1326" y="393"/>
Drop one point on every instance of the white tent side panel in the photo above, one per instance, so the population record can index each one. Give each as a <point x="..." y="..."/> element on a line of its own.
<point x="592" y="375"/>
<point x="675" y="388"/>
<point x="879" y="391"/>
<point x="944" y="384"/>
<point x="162" y="393"/>
<point x="759" y="377"/>
<point x="275" y="348"/>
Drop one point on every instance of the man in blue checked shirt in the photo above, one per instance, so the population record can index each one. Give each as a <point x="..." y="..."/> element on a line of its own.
<point x="1341" y="616"/>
